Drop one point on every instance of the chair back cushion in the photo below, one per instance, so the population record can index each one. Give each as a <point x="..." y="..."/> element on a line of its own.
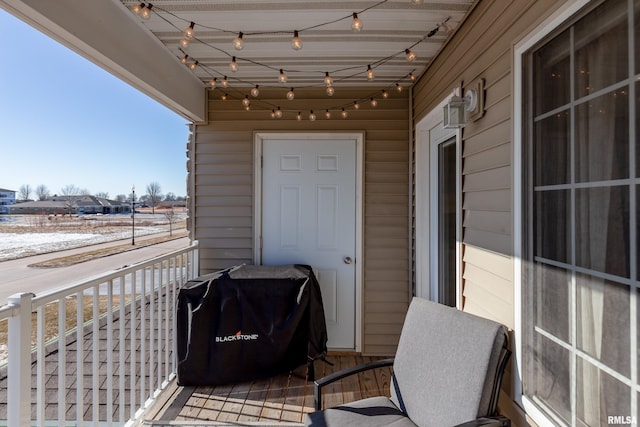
<point x="446" y="363"/>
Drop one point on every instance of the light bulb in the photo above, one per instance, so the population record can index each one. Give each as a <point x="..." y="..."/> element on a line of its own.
<point x="411" y="55"/>
<point x="296" y="42"/>
<point x="385" y="94"/>
<point x="238" y="43"/>
<point x="312" y="116"/>
<point x="136" y="8"/>
<point x="328" y="80"/>
<point x="299" y="116"/>
<point x="370" y="74"/>
<point x="233" y="65"/>
<point x="398" y="87"/>
<point x="291" y="95"/>
<point x="224" y="96"/>
<point x="416" y="2"/>
<point x="356" y="23"/>
<point x="184" y="43"/>
<point x="188" y="32"/>
<point x="247" y="108"/>
<point x="373" y="102"/>
<point x="412" y="77"/>
<point x="344" y="113"/>
<point x="330" y="90"/>
<point x="213" y="82"/>
<point x="327" y="114"/>
<point x="145" y="12"/>
<point x="356" y="106"/>
<point x="273" y="114"/>
<point x="283" y="77"/>
<point x="225" y="82"/>
<point x="193" y="65"/>
<point x="184" y="59"/>
<point x="255" y="92"/>
<point x="278" y="113"/>
<point x="245" y="101"/>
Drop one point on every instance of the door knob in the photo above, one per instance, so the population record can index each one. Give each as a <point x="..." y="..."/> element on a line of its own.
<point x="348" y="260"/>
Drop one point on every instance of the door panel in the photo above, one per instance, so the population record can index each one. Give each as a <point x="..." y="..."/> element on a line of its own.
<point x="313" y="220"/>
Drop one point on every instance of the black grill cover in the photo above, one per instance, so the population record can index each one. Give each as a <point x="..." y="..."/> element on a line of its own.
<point x="249" y="322"/>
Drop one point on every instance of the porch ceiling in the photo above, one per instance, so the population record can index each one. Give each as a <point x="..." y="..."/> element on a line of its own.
<point x="147" y="53"/>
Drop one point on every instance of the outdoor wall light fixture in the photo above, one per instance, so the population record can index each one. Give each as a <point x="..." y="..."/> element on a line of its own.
<point x="455" y="111"/>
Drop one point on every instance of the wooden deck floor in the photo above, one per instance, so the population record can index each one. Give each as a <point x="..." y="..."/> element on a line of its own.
<point x="280" y="400"/>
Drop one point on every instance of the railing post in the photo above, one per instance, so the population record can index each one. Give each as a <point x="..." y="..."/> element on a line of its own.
<point x="19" y="375"/>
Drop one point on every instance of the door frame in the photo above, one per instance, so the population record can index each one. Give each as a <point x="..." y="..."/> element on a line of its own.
<point x="258" y="141"/>
<point x="426" y="233"/>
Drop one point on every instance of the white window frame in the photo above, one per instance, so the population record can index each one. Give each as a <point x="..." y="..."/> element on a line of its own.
<point x="558" y="18"/>
<point x="426" y="215"/>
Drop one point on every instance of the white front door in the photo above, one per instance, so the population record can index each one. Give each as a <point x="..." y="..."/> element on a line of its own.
<point x="309" y="217"/>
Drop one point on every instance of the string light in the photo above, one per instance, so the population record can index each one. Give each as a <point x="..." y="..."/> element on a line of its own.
<point x="145" y="12"/>
<point x="410" y="55"/>
<point x="385" y="94"/>
<point x="255" y="91"/>
<point x="356" y="106"/>
<point x="327" y="114"/>
<point x="312" y="116"/>
<point x="188" y="32"/>
<point x="283" y="77"/>
<point x="224" y="96"/>
<point x="273" y="114"/>
<point x="370" y="74"/>
<point x="184" y="59"/>
<point x="416" y="2"/>
<point x="225" y="82"/>
<point x="356" y="23"/>
<point x="296" y="42"/>
<point x="291" y="95"/>
<point x="193" y="65"/>
<point x="328" y="80"/>
<point x="246" y="102"/>
<point x="398" y="87"/>
<point x="373" y="102"/>
<point x="238" y="43"/>
<point x="136" y="8"/>
<point x="213" y="82"/>
<point x="278" y="113"/>
<point x="233" y="65"/>
<point x="299" y="116"/>
<point x="184" y="43"/>
<point x="412" y="77"/>
<point x="344" y="113"/>
<point x="330" y="90"/>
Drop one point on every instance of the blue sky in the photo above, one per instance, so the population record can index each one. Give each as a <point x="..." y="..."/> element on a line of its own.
<point x="65" y="121"/>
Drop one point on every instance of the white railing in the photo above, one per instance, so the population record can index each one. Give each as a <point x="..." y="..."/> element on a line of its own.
<point x="112" y="336"/>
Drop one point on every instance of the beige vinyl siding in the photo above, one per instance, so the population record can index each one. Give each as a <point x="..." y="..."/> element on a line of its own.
<point x="222" y="174"/>
<point x="482" y="49"/>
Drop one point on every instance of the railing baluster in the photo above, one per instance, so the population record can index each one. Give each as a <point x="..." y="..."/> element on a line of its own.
<point x="122" y="347"/>
<point x="62" y="361"/>
<point x="95" y="360"/>
<point x="19" y="375"/>
<point x="40" y="367"/>
<point x="133" y="348"/>
<point x="162" y="278"/>
<point x="80" y="357"/>
<point x="151" y="325"/>
<point x="143" y="336"/>
<point x="109" y="367"/>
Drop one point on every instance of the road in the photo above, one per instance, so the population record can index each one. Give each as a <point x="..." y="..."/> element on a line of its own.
<point x="16" y="276"/>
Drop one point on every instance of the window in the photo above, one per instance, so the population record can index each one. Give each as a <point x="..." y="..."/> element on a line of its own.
<point x="581" y="304"/>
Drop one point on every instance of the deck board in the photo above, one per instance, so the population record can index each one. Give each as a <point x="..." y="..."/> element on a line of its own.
<point x="280" y="399"/>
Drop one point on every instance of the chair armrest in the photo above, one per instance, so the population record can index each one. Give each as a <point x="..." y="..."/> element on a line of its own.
<point x="318" y="384"/>
<point x="497" y="421"/>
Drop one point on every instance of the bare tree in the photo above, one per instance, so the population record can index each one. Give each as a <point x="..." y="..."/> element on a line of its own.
<point x="69" y="192"/>
<point x="24" y="192"/>
<point x="121" y="198"/>
<point x="169" y="197"/>
<point x="170" y="215"/>
<point x="102" y="195"/>
<point x="155" y="197"/>
<point x="42" y="192"/>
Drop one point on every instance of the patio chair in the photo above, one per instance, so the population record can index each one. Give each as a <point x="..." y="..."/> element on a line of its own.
<point x="446" y="372"/>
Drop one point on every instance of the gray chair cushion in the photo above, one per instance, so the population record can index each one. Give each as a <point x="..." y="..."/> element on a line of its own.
<point x="371" y="412"/>
<point x="445" y="364"/>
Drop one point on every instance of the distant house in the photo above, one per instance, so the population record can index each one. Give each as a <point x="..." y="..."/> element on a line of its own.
<point x="7" y="198"/>
<point x="77" y="205"/>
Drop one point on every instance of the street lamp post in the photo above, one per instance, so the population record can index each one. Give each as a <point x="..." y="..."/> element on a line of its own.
<point x="133" y="215"/>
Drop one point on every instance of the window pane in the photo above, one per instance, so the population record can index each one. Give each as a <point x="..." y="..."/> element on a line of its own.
<point x="549" y="376"/>
<point x="595" y="386"/>
<point x="601" y="48"/>
<point x="602" y="132"/>
<point x="553" y="233"/>
<point x="447" y="223"/>
<point x="603" y="321"/>
<point x="552" y="300"/>
<point x="602" y="229"/>
<point x="552" y="76"/>
<point x="551" y="158"/>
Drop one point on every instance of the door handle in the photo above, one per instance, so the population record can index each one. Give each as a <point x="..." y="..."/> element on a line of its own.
<point x="348" y="260"/>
